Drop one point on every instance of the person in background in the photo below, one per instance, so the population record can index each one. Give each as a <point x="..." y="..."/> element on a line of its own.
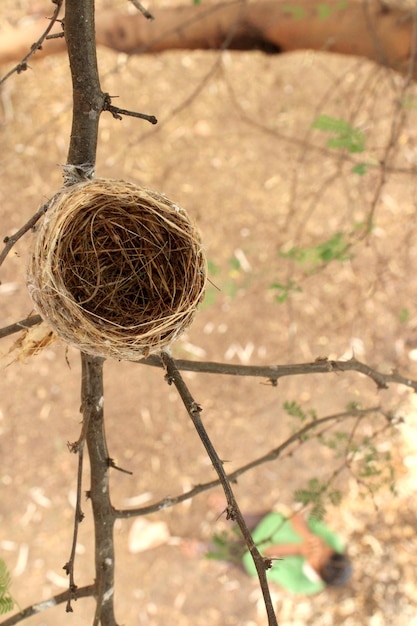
<point x="306" y="556"/>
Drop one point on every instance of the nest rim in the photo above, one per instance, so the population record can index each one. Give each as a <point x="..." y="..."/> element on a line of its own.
<point x="117" y="270"/>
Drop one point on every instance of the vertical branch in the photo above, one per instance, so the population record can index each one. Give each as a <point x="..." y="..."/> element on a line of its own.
<point x="88" y="103"/>
<point x="88" y="98"/>
<point x="103" y="512"/>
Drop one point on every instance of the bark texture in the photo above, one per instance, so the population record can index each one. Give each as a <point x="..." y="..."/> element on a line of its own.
<point x="367" y="29"/>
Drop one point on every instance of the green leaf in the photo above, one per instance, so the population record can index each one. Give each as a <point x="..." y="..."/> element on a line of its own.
<point x="283" y="290"/>
<point x="347" y="137"/>
<point x="404" y="316"/>
<point x="330" y="124"/>
<point x="409" y="102"/>
<point x="360" y="168"/>
<point x="314" y="496"/>
<point x="294" y="410"/>
<point x="227" y="546"/>
<point x="334" y="249"/>
<point x="234" y="264"/>
<point x="213" y="268"/>
<point x="323" y="11"/>
<point x="296" y="12"/>
<point x="6" y="601"/>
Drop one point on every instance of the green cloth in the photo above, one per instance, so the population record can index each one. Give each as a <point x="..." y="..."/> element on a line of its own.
<point x="274" y="529"/>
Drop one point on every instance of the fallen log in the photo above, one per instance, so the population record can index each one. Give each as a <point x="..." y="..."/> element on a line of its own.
<point x="365" y="29"/>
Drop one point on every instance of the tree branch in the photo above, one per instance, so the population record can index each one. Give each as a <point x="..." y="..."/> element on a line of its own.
<point x="28" y="322"/>
<point x="13" y="239"/>
<point x="142" y="9"/>
<point x="22" y="66"/>
<point x="272" y="455"/>
<point x="88" y="98"/>
<point x="274" y="372"/>
<point x="88" y="103"/>
<point x="173" y="376"/>
<point x="118" y="113"/>
<point x="39" y="607"/>
<point x="104" y="517"/>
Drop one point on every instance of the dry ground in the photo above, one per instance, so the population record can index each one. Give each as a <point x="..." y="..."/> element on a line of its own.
<point x="234" y="146"/>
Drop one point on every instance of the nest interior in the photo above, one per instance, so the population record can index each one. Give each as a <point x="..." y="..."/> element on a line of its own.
<point x="116" y="270"/>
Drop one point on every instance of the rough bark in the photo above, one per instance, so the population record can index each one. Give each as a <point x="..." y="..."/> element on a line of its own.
<point x="88" y="103"/>
<point x="361" y="28"/>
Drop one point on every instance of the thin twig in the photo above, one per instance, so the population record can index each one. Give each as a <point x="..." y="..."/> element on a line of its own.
<point x="78" y="516"/>
<point x="28" y="322"/>
<point x="274" y="372"/>
<point x="56" y="36"/>
<point x="142" y="9"/>
<point x="78" y="448"/>
<point x="13" y="239"/>
<point x="118" y="113"/>
<point x="272" y="455"/>
<point x="23" y="64"/>
<point x="173" y="376"/>
<point x="397" y="119"/>
<point x="39" y="607"/>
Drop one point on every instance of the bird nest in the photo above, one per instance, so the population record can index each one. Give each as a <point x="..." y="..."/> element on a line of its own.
<point x="116" y="270"/>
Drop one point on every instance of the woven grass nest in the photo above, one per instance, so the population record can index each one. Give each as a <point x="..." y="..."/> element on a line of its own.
<point x="116" y="270"/>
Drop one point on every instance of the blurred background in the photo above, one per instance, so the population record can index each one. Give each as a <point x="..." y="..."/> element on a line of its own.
<point x="312" y="253"/>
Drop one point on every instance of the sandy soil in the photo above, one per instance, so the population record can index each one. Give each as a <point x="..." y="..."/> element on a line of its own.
<point x="234" y="146"/>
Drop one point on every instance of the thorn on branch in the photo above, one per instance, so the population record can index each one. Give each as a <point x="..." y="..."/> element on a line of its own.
<point x="118" y="113"/>
<point x="111" y="463"/>
<point x="231" y="513"/>
<point x="55" y="36"/>
<point x="22" y="67"/>
<point x="195" y="408"/>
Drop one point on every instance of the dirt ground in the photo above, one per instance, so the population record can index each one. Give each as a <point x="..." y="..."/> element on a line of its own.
<point x="235" y="147"/>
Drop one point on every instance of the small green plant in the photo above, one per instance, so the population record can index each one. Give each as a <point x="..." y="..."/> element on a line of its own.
<point x="283" y="290"/>
<point x="345" y="136"/>
<point x="322" y="9"/>
<point x="374" y="467"/>
<point x="336" y="441"/>
<point x="6" y="601"/>
<point x="318" y="495"/>
<point x="404" y="315"/>
<point x="296" y="12"/>
<point x="227" y="546"/>
<point x="361" y="168"/>
<point x="334" y="249"/>
<point x="294" y="410"/>
<point x="236" y="277"/>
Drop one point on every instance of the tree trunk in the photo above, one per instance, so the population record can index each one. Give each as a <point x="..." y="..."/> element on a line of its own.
<point x="367" y="29"/>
